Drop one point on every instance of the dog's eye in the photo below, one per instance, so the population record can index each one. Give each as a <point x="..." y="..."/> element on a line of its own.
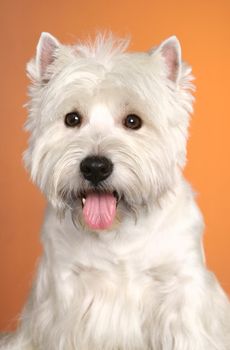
<point x="132" y="121"/>
<point x="73" y="119"/>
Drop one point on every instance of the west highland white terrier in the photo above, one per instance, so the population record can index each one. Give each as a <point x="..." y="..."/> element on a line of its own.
<point x="123" y="265"/>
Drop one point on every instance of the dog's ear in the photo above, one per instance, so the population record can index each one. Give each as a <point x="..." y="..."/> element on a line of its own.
<point x="45" y="56"/>
<point x="170" y="50"/>
<point x="46" y="48"/>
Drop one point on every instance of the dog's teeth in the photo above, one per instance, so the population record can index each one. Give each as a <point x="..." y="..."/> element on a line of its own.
<point x="83" y="201"/>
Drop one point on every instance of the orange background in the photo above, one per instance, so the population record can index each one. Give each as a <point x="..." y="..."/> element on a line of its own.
<point x="203" y="27"/>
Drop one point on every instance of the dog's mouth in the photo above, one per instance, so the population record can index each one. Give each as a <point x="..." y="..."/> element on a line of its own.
<point x="99" y="209"/>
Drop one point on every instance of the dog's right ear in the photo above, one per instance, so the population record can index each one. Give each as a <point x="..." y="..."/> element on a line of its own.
<point x="47" y="46"/>
<point x="38" y="68"/>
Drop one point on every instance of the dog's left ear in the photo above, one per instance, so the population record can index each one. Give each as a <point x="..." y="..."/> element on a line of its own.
<point x="170" y="51"/>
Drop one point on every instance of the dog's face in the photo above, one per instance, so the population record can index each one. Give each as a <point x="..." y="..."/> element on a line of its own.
<point x="108" y="128"/>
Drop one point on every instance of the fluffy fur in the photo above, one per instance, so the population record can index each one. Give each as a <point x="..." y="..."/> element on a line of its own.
<point x="142" y="284"/>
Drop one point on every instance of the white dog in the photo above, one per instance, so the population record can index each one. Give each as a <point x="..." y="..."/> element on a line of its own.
<point x="123" y="265"/>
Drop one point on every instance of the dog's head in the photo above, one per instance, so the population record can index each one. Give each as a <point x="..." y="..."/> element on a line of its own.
<point x="108" y="127"/>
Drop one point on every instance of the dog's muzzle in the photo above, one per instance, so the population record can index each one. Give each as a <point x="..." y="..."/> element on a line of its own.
<point x="99" y="207"/>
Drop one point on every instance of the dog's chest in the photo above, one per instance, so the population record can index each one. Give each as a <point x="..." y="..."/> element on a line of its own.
<point x="112" y="308"/>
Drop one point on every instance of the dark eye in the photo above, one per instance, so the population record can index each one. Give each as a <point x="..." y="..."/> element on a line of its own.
<point x="73" y="119"/>
<point x="132" y="121"/>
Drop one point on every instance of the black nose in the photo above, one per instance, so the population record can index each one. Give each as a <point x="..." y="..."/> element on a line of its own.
<point x="96" y="169"/>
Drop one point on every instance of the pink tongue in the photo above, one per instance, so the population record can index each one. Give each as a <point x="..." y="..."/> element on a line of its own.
<point x="99" y="210"/>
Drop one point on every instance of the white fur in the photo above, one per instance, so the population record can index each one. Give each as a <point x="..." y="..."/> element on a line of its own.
<point x="143" y="285"/>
